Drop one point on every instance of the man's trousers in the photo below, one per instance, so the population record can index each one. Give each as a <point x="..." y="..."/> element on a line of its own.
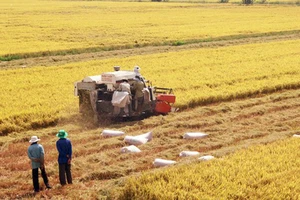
<point x="65" y="169"/>
<point x="35" y="178"/>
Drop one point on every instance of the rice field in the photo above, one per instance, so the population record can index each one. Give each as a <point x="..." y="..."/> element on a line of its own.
<point x="234" y="70"/>
<point x="39" y="28"/>
<point x="34" y="97"/>
<point x="261" y="172"/>
<point x="100" y="170"/>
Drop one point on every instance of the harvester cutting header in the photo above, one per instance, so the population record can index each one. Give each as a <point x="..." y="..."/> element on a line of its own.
<point x="122" y="94"/>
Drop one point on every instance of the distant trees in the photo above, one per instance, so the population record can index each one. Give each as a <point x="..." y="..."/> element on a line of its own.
<point x="247" y="2"/>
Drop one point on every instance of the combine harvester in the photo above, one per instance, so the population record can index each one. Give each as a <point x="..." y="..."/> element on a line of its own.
<point x="102" y="96"/>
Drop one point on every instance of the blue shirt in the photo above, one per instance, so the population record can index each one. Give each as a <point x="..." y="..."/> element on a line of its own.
<point x="35" y="151"/>
<point x="64" y="148"/>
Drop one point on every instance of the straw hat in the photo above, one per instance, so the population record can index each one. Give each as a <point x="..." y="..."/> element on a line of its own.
<point x="34" y="139"/>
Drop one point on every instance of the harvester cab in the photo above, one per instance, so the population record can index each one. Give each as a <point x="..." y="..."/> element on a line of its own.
<point x="103" y="97"/>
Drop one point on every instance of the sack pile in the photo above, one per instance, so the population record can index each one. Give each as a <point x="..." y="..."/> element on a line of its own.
<point x="146" y="137"/>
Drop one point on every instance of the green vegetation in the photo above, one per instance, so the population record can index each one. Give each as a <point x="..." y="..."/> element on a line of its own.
<point x="10" y="57"/>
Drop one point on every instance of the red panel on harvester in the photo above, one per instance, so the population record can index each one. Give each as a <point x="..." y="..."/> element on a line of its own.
<point x="162" y="107"/>
<point x="170" y="98"/>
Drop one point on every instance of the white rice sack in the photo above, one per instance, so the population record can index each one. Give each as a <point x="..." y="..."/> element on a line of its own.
<point x="188" y="153"/>
<point x="195" y="135"/>
<point x="162" y="162"/>
<point x="295" y="135"/>
<point x="204" y="158"/>
<point x="135" y="140"/>
<point x="111" y="133"/>
<point x="130" y="149"/>
<point x="148" y="135"/>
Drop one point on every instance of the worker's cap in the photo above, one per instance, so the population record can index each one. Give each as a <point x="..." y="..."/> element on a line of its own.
<point x="62" y="134"/>
<point x="136" y="68"/>
<point x="34" y="139"/>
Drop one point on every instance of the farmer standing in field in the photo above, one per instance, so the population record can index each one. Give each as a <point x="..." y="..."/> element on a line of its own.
<point x="138" y="87"/>
<point x="125" y="87"/>
<point x="64" y="148"/>
<point x="36" y="154"/>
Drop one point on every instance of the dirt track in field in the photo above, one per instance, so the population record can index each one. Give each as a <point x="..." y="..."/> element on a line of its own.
<point x="58" y="60"/>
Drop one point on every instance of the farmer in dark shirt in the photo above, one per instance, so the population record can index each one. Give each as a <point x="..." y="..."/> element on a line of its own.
<point x="64" y="148"/>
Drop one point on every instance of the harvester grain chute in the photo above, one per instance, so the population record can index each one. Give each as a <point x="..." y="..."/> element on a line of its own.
<point x="101" y="96"/>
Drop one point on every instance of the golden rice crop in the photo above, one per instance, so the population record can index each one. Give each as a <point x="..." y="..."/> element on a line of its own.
<point x="39" y="27"/>
<point x="261" y="172"/>
<point x="39" y="96"/>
